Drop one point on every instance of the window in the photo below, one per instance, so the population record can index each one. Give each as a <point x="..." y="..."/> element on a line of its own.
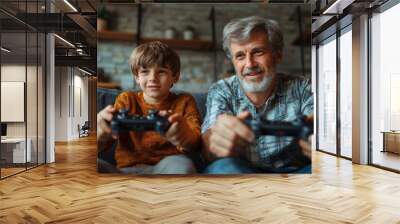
<point x="346" y="92"/>
<point x="385" y="88"/>
<point x="327" y="95"/>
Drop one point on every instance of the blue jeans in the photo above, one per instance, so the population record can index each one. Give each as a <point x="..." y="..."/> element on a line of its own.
<point x="232" y="165"/>
<point x="175" y="164"/>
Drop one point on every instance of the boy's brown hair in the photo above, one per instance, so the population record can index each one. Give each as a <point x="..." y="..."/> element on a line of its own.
<point x="154" y="53"/>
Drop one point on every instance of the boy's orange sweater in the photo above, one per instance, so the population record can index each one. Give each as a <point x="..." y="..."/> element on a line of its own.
<point x="149" y="147"/>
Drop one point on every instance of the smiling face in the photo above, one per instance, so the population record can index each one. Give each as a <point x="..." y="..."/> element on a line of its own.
<point x="156" y="67"/>
<point x="155" y="82"/>
<point x="254" y="62"/>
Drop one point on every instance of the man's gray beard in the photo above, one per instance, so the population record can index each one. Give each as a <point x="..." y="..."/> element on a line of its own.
<point x="256" y="87"/>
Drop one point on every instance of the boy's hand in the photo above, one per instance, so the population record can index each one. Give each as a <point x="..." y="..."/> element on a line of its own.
<point x="179" y="131"/>
<point x="104" y="118"/>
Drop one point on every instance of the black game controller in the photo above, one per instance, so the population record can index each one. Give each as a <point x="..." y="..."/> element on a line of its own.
<point x="299" y="128"/>
<point x="122" y="122"/>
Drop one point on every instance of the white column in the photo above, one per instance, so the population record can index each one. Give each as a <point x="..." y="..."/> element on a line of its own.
<point x="360" y="90"/>
<point x="50" y="92"/>
<point x="50" y="109"/>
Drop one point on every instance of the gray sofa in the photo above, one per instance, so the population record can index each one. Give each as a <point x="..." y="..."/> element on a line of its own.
<point x="105" y="160"/>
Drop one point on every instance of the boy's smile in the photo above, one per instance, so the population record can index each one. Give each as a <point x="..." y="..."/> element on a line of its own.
<point x="154" y="87"/>
<point x="156" y="83"/>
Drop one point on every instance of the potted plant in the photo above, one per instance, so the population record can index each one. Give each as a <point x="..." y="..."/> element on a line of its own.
<point x="102" y="17"/>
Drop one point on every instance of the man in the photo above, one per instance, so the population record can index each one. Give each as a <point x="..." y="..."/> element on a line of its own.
<point x="254" y="45"/>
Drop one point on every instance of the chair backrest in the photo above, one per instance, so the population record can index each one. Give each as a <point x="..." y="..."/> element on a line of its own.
<point x="86" y="125"/>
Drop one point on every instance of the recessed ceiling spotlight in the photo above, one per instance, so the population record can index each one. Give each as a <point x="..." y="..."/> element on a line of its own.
<point x="70" y="5"/>
<point x="337" y="7"/>
<point x="65" y="41"/>
<point x="5" y="49"/>
<point x="84" y="71"/>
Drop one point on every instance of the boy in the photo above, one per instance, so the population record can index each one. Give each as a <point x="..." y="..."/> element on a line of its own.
<point x="156" y="68"/>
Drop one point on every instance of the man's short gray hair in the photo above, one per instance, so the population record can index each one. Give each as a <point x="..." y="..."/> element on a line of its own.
<point x="241" y="29"/>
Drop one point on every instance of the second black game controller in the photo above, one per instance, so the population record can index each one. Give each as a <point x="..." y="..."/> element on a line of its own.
<point x="299" y="128"/>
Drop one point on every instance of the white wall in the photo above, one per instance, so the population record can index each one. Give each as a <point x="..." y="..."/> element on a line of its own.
<point x="71" y="94"/>
<point x="12" y="73"/>
<point x="61" y="103"/>
<point x="17" y="73"/>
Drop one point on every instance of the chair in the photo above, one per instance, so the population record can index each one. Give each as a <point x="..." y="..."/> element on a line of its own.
<point x="84" y="130"/>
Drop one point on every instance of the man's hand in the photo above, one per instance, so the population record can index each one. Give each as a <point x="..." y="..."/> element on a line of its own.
<point x="306" y="145"/>
<point x="104" y="118"/>
<point x="229" y="135"/>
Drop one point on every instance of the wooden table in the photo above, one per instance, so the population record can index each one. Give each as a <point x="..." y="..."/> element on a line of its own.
<point x="13" y="150"/>
<point x="391" y="141"/>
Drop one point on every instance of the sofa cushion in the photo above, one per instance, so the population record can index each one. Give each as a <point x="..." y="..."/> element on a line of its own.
<point x="201" y="99"/>
<point x="106" y="97"/>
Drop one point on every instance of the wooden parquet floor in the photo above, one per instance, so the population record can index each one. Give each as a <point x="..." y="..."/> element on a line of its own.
<point x="71" y="191"/>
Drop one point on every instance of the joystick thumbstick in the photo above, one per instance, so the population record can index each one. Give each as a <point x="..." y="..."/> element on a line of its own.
<point x="152" y="114"/>
<point x="123" y="113"/>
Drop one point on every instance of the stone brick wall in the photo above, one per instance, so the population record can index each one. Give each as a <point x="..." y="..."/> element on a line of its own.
<point x="197" y="72"/>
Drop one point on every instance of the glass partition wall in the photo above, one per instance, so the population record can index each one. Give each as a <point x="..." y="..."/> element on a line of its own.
<point x="334" y="95"/>
<point x="22" y="77"/>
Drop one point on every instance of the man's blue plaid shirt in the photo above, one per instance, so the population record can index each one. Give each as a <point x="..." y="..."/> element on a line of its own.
<point x="291" y="99"/>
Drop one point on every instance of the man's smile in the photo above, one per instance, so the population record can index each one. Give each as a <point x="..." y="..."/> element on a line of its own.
<point x="252" y="74"/>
